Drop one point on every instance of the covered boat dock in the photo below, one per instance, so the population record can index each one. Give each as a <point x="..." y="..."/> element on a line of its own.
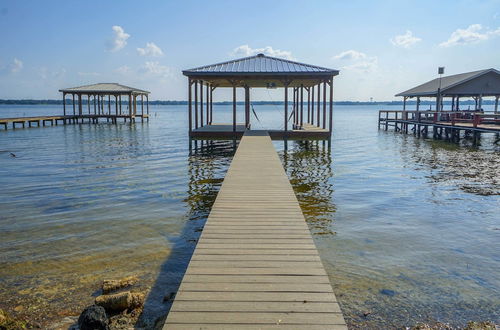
<point x="307" y="88"/>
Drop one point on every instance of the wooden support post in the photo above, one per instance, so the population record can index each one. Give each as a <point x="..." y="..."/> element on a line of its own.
<point x="94" y="105"/>
<point x="196" y="104"/>
<point x="319" y="102"/>
<point x="74" y="111"/>
<point x="312" y="105"/>
<point x="88" y="103"/>
<point x="109" y="104"/>
<point x="212" y="88"/>
<point x="130" y="106"/>
<point x="147" y="105"/>
<point x="116" y="105"/>
<point x="496" y="104"/>
<point x="286" y="109"/>
<point x="301" y="106"/>
<point x="190" y="106"/>
<point x="293" y="107"/>
<point x="208" y="104"/>
<point x="234" y="107"/>
<point x="142" y="107"/>
<point x="80" y="104"/>
<point x="247" y="107"/>
<point x="330" y="126"/>
<point x="64" y="104"/>
<point x="201" y="104"/>
<point x="98" y="104"/>
<point x="324" y="105"/>
<point x="457" y="104"/>
<point x="480" y="102"/>
<point x="308" y="89"/>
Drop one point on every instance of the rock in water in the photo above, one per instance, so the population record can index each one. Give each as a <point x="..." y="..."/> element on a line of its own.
<point x="112" y="285"/>
<point x="93" y="318"/>
<point x="120" y="301"/>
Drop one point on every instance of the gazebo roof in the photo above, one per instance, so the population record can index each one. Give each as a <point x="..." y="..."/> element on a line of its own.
<point x="108" y="88"/>
<point x="449" y="85"/>
<point x="256" y="70"/>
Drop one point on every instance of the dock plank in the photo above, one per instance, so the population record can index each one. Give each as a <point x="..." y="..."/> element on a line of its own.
<point x="255" y="265"/>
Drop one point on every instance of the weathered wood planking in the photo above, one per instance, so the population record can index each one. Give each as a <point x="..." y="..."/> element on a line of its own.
<point x="256" y="265"/>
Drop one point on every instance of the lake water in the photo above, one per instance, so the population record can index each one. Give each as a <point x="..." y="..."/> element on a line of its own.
<point x="408" y="229"/>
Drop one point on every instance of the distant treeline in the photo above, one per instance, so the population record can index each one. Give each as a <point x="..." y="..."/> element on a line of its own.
<point x="158" y="102"/>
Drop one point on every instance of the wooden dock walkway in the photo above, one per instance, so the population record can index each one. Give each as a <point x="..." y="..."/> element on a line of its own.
<point x="68" y="119"/>
<point x="255" y="265"/>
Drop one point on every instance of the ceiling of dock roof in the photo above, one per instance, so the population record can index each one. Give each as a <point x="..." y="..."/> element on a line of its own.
<point x="259" y="70"/>
<point x="472" y="83"/>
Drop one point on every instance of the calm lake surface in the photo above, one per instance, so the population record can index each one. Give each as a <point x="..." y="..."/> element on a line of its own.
<point x="408" y="229"/>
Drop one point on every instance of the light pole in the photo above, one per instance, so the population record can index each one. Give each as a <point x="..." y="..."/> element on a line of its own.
<point x="439" y="106"/>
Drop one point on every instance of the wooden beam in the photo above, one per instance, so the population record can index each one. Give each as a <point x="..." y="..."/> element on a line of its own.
<point x="208" y="104"/>
<point x="496" y="103"/>
<point x="312" y="105"/>
<point x="286" y="110"/>
<point x="331" y="107"/>
<point x="88" y="103"/>
<point x="196" y="104"/>
<point x="109" y="104"/>
<point x="301" y="106"/>
<point x="319" y="102"/>
<point x="190" y="106"/>
<point x="74" y="111"/>
<point x="247" y="107"/>
<point x="201" y="104"/>
<point x="324" y="104"/>
<point x="212" y="88"/>
<point x="64" y="103"/>
<point x="308" y="105"/>
<point x="234" y="108"/>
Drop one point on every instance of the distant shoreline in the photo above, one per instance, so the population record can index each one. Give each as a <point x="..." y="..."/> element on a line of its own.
<point x="159" y="102"/>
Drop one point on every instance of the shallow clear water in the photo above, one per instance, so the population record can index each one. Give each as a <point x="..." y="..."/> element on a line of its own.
<point x="408" y="229"/>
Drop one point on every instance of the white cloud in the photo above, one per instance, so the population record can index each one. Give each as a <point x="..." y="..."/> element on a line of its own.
<point x="359" y="61"/>
<point x="150" y="50"/>
<point x="155" y="68"/>
<point x="124" y="69"/>
<point x="405" y="40"/>
<point x="119" y="39"/>
<point x="245" y="50"/>
<point x="473" y="34"/>
<point x="16" y="65"/>
<point x="370" y="64"/>
<point x="89" y="74"/>
<point x="350" y="55"/>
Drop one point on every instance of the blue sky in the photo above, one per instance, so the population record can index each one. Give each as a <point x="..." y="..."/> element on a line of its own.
<point x="380" y="47"/>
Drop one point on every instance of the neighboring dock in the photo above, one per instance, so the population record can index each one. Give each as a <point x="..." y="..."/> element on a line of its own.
<point x="255" y="265"/>
<point x="91" y="103"/>
<point x="55" y="120"/>
<point x="443" y="124"/>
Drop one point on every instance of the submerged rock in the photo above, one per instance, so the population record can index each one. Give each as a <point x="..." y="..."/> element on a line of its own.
<point x="486" y="325"/>
<point x="388" y="292"/>
<point x="120" y="301"/>
<point x="113" y="285"/>
<point x="93" y="318"/>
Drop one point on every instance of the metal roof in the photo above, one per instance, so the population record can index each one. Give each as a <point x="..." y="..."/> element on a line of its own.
<point x="430" y="88"/>
<point x="104" y="88"/>
<point x="259" y="64"/>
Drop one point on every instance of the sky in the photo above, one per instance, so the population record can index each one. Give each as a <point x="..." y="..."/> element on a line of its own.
<point x="380" y="47"/>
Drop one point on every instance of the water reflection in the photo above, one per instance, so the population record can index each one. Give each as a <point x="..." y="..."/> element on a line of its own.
<point x="471" y="170"/>
<point x="308" y="165"/>
<point x="207" y="165"/>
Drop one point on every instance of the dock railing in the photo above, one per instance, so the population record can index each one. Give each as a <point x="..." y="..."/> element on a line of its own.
<point x="388" y="118"/>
